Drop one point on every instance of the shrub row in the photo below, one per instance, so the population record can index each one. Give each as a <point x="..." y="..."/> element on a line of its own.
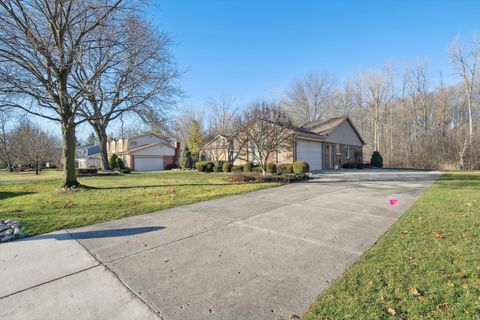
<point x="353" y="165"/>
<point x="284" y="168"/>
<point x="255" y="177"/>
<point x="204" y="166"/>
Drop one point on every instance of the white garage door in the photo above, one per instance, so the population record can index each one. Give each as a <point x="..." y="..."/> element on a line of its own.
<point x="311" y="152"/>
<point x="148" y="164"/>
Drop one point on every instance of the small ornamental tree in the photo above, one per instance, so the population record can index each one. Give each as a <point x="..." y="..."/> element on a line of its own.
<point x="113" y="161"/>
<point x="186" y="160"/>
<point x="376" y="160"/>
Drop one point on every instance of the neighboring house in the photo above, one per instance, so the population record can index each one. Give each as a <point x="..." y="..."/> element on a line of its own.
<point x="146" y="152"/>
<point x="324" y="145"/>
<point x="88" y="157"/>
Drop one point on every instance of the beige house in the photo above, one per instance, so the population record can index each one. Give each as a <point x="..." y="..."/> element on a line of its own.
<point x="146" y="152"/>
<point x="324" y="144"/>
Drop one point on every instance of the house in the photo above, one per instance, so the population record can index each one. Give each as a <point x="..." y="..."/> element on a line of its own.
<point x="326" y="144"/>
<point x="87" y="157"/>
<point x="146" y="152"/>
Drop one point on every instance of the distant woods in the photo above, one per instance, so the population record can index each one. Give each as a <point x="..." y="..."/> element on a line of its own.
<point x="411" y="116"/>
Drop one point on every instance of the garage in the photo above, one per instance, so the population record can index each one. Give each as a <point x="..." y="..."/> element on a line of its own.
<point x="311" y="152"/>
<point x="148" y="163"/>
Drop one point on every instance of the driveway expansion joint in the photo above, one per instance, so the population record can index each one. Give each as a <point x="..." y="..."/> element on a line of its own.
<point x="286" y="235"/>
<point x="157" y="313"/>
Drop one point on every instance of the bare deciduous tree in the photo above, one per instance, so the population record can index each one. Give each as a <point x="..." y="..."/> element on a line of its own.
<point x="130" y="70"/>
<point x="41" y="44"/>
<point x="264" y="129"/>
<point x="223" y="113"/>
<point x="5" y="137"/>
<point x="466" y="61"/>
<point x="309" y="97"/>
<point x="32" y="146"/>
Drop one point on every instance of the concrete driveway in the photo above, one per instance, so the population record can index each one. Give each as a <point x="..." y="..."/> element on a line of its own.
<point x="262" y="255"/>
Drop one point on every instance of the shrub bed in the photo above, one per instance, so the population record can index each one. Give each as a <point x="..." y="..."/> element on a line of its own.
<point x="285" y="168"/>
<point x="247" y="167"/>
<point x="217" y="168"/>
<point x="349" y="165"/>
<point x="227" y="167"/>
<point x="204" y="166"/>
<point x="301" y="167"/>
<point x="271" y="168"/>
<point x="254" y="177"/>
<point x="237" y="168"/>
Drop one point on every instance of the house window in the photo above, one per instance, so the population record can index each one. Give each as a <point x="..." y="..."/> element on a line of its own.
<point x="339" y="149"/>
<point x="347" y="152"/>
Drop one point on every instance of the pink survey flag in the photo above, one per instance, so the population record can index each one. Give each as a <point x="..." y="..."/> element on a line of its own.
<point x="393" y="202"/>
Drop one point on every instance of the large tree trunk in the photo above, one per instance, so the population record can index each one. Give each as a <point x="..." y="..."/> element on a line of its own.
<point x="101" y="131"/>
<point x="68" y="154"/>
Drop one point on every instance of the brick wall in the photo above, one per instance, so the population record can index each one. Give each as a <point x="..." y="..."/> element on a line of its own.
<point x="339" y="155"/>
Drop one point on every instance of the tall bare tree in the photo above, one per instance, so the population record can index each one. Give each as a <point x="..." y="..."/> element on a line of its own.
<point x="130" y="71"/>
<point x="466" y="61"/>
<point x="309" y="97"/>
<point x="41" y="44"/>
<point x="223" y="113"/>
<point x="264" y="129"/>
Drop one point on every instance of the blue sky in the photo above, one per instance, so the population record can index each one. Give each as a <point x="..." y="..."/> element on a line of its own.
<point x="247" y="49"/>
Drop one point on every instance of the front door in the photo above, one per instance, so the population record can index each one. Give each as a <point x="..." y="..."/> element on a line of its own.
<point x="330" y="156"/>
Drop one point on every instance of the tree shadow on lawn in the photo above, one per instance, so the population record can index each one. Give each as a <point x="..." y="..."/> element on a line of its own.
<point x="96" y="234"/>
<point x="167" y="185"/>
<point x="6" y="195"/>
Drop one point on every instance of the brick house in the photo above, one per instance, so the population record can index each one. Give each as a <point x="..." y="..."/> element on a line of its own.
<point x="326" y="144"/>
<point x="146" y="152"/>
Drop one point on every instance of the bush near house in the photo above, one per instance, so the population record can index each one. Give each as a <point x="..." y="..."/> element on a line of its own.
<point x="113" y="161"/>
<point x="247" y="167"/>
<point x="171" y="166"/>
<point x="227" y="167"/>
<point x="120" y="164"/>
<point x="204" y="166"/>
<point x="349" y="165"/>
<point x="285" y="168"/>
<point x="271" y="168"/>
<point x="257" y="169"/>
<point x="237" y="168"/>
<point x="377" y="159"/>
<point x="301" y="167"/>
<point x="217" y="168"/>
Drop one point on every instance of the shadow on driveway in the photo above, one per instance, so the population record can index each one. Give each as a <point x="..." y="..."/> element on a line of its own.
<point x="111" y="233"/>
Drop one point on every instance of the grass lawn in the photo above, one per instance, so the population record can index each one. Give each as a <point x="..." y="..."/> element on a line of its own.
<point x="426" y="267"/>
<point x="35" y="202"/>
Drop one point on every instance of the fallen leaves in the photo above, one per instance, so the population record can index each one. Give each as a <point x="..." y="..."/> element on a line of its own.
<point x="439" y="235"/>
<point x="391" y="311"/>
<point x="414" y="291"/>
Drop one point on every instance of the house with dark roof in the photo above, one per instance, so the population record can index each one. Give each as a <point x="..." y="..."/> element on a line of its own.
<point x="326" y="144"/>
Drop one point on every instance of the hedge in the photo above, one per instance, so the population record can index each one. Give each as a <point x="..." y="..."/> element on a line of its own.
<point x="271" y="168"/>
<point x="285" y="168"/>
<point x="237" y="168"/>
<point x="86" y="170"/>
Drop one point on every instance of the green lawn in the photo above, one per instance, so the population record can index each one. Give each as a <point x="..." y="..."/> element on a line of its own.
<point x="35" y="201"/>
<point x="426" y="267"/>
